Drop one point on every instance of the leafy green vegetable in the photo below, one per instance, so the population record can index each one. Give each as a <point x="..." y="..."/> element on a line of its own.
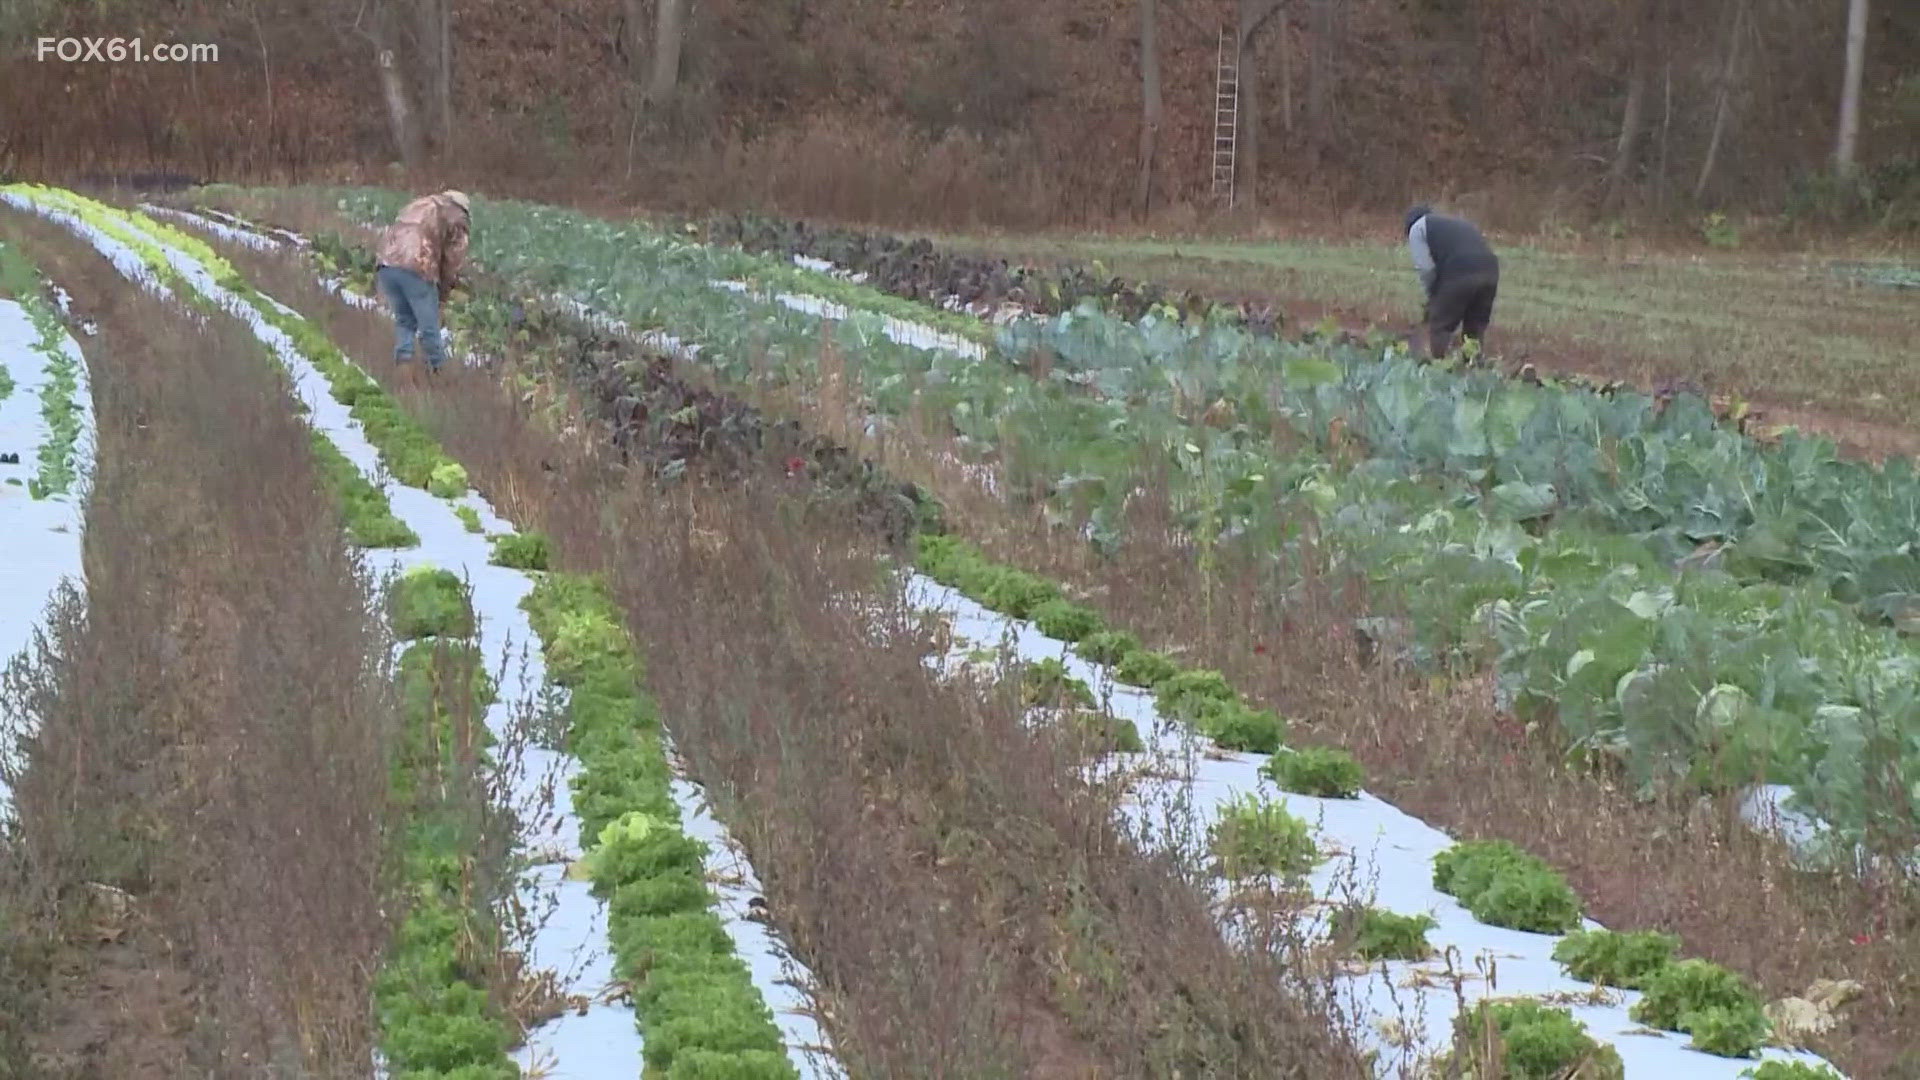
<point x="1046" y="682"/>
<point x="1612" y="958"/>
<point x="1385" y="935"/>
<point x="1716" y="1006"/>
<point x="1325" y="772"/>
<point x="520" y="551"/>
<point x="428" y="601"/>
<point x="1257" y="838"/>
<point x="1531" y="1041"/>
<point x="1507" y="887"/>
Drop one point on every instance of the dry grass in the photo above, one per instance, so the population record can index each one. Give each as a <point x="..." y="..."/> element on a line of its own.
<point x="200" y="844"/>
<point x="968" y="903"/>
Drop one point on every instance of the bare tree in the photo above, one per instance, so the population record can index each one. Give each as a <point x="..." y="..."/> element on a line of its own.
<point x="669" y="39"/>
<point x="1152" y="106"/>
<point x="1254" y="16"/>
<point x="375" y="22"/>
<point x="1728" y="74"/>
<point x="1848" y="136"/>
<point x="1319" y="72"/>
<point x="1640" y="42"/>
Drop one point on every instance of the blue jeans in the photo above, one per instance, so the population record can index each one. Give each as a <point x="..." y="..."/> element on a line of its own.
<point x="415" y="303"/>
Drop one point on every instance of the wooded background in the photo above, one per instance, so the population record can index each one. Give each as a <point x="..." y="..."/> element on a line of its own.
<point x="1013" y="112"/>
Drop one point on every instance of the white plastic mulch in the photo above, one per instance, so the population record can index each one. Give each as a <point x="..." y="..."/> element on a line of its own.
<point x="603" y="1040"/>
<point x="43" y="536"/>
<point x="1376" y="853"/>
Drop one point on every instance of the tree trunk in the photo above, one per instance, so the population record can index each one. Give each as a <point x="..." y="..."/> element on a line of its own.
<point x="393" y="87"/>
<point x="1634" y="110"/>
<point x="1151" y="104"/>
<point x="1726" y="95"/>
<point x="1286" y="75"/>
<point x="1849" y="133"/>
<point x="443" y="71"/>
<point x="1254" y="17"/>
<point x="1317" y="74"/>
<point x="669" y="35"/>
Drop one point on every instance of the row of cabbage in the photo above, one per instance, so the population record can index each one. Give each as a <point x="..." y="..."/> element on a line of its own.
<point x="1698" y="675"/>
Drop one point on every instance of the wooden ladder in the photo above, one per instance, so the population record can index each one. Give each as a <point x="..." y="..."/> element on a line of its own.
<point x="1226" y="114"/>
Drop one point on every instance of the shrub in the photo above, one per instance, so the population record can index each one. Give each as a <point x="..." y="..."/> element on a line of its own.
<point x="1325" y="772"/>
<point x="1534" y="1041"/>
<point x="1504" y="886"/>
<point x="1385" y="935"/>
<point x="469" y="517"/>
<point x="520" y="551"/>
<point x="1258" y="838"/>
<point x="427" y="601"/>
<point x="1714" y="1005"/>
<point x="1610" y="958"/>
<point x="1066" y="620"/>
<point x="1106" y="646"/>
<point x="1046" y="682"/>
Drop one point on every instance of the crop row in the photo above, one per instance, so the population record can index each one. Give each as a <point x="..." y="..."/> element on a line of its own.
<point x="1689" y="676"/>
<point x="696" y="1005"/>
<point x="62" y="404"/>
<point x="1499" y="884"/>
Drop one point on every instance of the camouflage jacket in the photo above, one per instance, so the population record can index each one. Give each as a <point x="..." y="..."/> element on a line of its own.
<point x="430" y="239"/>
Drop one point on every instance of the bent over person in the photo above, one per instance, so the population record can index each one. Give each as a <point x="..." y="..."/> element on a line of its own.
<point x="421" y="258"/>
<point x="1458" y="271"/>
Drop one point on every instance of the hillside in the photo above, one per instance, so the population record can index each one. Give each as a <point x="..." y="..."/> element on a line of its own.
<point x="995" y="111"/>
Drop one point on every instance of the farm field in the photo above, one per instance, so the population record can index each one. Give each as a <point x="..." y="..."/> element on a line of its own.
<point x="775" y="662"/>
<point x="1819" y="341"/>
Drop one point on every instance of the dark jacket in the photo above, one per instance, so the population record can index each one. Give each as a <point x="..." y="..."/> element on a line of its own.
<point x="1446" y="249"/>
